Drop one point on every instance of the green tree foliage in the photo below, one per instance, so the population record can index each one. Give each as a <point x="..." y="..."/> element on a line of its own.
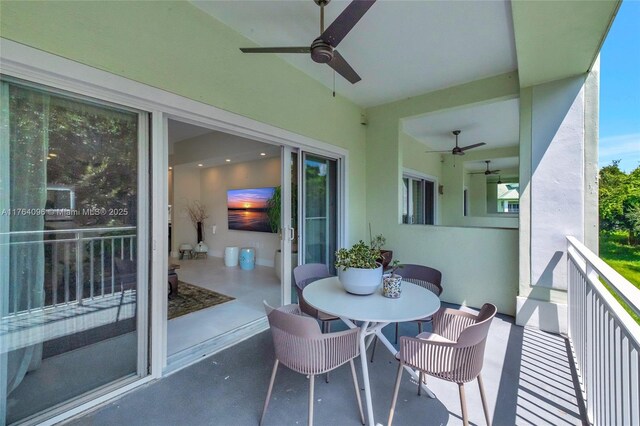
<point x="620" y="201"/>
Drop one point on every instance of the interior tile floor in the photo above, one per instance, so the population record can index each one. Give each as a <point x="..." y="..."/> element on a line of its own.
<point x="528" y="379"/>
<point x="249" y="288"/>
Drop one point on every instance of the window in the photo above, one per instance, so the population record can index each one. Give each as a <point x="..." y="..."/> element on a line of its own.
<point x="418" y="200"/>
<point x="508" y="197"/>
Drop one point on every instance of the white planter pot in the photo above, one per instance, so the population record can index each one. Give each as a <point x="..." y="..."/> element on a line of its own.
<point x="360" y="281"/>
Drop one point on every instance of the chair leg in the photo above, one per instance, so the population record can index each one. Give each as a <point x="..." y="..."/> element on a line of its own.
<point x="484" y="400"/>
<point x="273" y="379"/>
<point x="463" y="404"/>
<point x="373" y="351"/>
<point x="420" y="383"/>
<point x="311" y="381"/>
<point x="419" y="327"/>
<point x="397" y="327"/>
<point x="357" y="389"/>
<point x="395" y="393"/>
<point x="326" y="326"/>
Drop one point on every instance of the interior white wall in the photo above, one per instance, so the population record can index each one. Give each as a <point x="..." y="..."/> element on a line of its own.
<point x="214" y="183"/>
<point x="186" y="189"/>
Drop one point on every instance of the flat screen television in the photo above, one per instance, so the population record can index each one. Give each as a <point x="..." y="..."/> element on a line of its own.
<point x="247" y="209"/>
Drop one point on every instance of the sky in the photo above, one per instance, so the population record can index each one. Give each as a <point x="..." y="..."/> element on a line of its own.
<point x="620" y="90"/>
<point x="249" y="198"/>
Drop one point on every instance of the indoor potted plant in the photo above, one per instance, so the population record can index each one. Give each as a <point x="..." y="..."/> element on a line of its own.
<point x="358" y="268"/>
<point x="391" y="282"/>
<point x="198" y="213"/>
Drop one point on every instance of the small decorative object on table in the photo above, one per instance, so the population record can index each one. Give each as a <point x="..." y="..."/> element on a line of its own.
<point x="358" y="269"/>
<point x="392" y="283"/>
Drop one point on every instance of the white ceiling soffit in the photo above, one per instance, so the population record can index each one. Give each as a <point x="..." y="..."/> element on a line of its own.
<point x="212" y="148"/>
<point x="505" y="165"/>
<point x="179" y="131"/>
<point x="399" y="48"/>
<point x="497" y="124"/>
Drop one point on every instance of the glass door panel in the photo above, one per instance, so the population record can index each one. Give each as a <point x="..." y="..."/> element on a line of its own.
<point x="72" y="248"/>
<point x="319" y="209"/>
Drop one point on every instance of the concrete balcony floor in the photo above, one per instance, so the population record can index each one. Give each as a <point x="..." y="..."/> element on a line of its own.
<point x="527" y="375"/>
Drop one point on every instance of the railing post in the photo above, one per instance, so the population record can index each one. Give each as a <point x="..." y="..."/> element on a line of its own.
<point x="79" y="268"/>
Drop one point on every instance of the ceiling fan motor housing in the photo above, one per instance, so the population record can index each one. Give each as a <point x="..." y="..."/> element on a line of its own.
<point x="321" y="51"/>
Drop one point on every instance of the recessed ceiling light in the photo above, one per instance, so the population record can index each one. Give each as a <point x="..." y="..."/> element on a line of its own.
<point x="170" y="168"/>
<point x="200" y="165"/>
<point x="228" y="160"/>
<point x="53" y="154"/>
<point x="263" y="154"/>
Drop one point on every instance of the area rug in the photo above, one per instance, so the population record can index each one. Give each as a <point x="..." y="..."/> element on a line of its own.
<point x="191" y="298"/>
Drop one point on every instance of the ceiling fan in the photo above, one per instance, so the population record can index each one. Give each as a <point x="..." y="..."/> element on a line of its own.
<point x="322" y="49"/>
<point x="487" y="172"/>
<point x="457" y="150"/>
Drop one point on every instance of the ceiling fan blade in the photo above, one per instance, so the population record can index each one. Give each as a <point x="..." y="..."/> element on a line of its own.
<point x="493" y="172"/>
<point x="429" y="152"/>
<point x="475" y="145"/>
<point x="298" y="49"/>
<point x="343" y="68"/>
<point x="346" y="21"/>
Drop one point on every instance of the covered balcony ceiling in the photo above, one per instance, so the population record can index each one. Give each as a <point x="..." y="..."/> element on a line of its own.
<point x="496" y="124"/>
<point x="405" y="48"/>
<point x="399" y="48"/>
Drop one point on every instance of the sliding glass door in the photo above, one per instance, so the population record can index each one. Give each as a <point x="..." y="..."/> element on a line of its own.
<point x="73" y="248"/>
<point x="319" y="205"/>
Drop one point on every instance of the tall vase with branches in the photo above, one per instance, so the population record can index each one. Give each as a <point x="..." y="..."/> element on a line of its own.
<point x="197" y="213"/>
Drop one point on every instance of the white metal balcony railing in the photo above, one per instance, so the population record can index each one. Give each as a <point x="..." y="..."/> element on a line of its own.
<point x="604" y="337"/>
<point x="80" y="284"/>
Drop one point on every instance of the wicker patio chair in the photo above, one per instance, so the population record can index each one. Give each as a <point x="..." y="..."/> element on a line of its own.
<point x="302" y="347"/>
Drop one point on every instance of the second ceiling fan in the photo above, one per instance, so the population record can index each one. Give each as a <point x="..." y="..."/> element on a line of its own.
<point x="488" y="171"/>
<point x="459" y="150"/>
<point x="322" y="49"/>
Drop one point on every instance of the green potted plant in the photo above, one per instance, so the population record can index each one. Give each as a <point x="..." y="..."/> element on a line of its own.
<point x="273" y="215"/>
<point x="376" y="243"/>
<point x="358" y="268"/>
<point x="391" y="282"/>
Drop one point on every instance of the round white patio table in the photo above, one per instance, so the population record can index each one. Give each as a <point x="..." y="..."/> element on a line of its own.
<point x="374" y="311"/>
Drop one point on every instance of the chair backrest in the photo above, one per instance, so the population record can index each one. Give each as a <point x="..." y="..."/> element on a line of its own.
<point x="297" y="339"/>
<point x="304" y="275"/>
<point x="423" y="276"/>
<point x="458" y="362"/>
<point x="477" y="332"/>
